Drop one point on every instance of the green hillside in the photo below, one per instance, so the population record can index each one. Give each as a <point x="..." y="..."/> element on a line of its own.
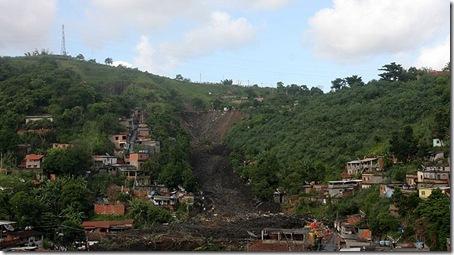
<point x="290" y="135"/>
<point x="311" y="136"/>
<point x="86" y="100"/>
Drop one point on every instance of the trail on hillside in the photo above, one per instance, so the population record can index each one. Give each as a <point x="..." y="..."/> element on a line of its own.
<point x="225" y="194"/>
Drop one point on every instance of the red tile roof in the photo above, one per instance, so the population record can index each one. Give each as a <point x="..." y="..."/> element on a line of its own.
<point x="33" y="157"/>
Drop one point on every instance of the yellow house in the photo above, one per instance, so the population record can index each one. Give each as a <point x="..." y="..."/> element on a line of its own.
<point x="425" y="192"/>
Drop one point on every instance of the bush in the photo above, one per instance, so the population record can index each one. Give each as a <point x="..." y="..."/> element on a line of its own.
<point x="145" y="214"/>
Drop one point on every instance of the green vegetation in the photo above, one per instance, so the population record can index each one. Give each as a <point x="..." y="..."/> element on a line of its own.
<point x="434" y="219"/>
<point x="72" y="161"/>
<point x="146" y="214"/>
<point x="295" y="135"/>
<point x="50" y="207"/>
<point x="312" y="134"/>
<point x="299" y="135"/>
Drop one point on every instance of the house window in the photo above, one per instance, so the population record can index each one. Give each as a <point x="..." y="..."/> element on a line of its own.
<point x="423" y="193"/>
<point x="116" y="138"/>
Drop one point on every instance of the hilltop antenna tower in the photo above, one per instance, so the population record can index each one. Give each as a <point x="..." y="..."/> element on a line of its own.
<point x="63" y="45"/>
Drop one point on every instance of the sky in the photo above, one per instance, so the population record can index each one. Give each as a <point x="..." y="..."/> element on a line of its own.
<point x="260" y="42"/>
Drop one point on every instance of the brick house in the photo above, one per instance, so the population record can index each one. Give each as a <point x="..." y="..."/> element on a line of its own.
<point x="104" y="160"/>
<point x="343" y="188"/>
<point x="119" y="140"/>
<point x="365" y="165"/>
<point x="137" y="159"/>
<point x="369" y="179"/>
<point x="146" y="144"/>
<point x="430" y="173"/>
<point x="411" y="179"/>
<point x="128" y="170"/>
<point x="33" y="161"/>
<point x="143" y="131"/>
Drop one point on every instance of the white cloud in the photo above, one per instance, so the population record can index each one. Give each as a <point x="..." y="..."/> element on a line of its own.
<point x="255" y="4"/>
<point x="434" y="57"/>
<point x="220" y="32"/>
<point x="354" y="29"/>
<point x="268" y="4"/>
<point x="144" y="59"/>
<point x="25" y="25"/>
<point x="113" y="19"/>
<point x="123" y="63"/>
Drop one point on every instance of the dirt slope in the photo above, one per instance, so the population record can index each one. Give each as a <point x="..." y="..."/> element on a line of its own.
<point x="225" y="194"/>
<point x="211" y="126"/>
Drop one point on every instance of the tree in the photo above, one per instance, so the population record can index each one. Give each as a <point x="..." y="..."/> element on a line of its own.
<point x="27" y="209"/>
<point x="441" y="124"/>
<point x="264" y="179"/>
<point x="435" y="213"/>
<point x="250" y="92"/>
<point x="179" y="77"/>
<point x="413" y="73"/>
<point x="316" y="91"/>
<point x="73" y="161"/>
<point x="151" y="167"/>
<point x="198" y="104"/>
<point x="227" y="82"/>
<point x="170" y="175"/>
<point x="92" y="60"/>
<point x="80" y="57"/>
<point x="354" y="81"/>
<point x="280" y="88"/>
<point x="75" y="194"/>
<point x="145" y="214"/>
<point x="108" y="61"/>
<point x="447" y="67"/>
<point x="216" y="104"/>
<point x="8" y="140"/>
<point x="338" y="84"/>
<point x="403" y="145"/>
<point x="392" y="72"/>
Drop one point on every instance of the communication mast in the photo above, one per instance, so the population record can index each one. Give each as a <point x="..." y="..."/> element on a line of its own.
<point x="63" y="45"/>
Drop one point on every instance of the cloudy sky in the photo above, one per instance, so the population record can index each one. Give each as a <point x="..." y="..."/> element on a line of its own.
<point x="256" y="41"/>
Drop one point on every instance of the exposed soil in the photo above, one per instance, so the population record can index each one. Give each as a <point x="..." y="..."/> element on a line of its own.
<point x="224" y="193"/>
<point x="209" y="127"/>
<point x="225" y="190"/>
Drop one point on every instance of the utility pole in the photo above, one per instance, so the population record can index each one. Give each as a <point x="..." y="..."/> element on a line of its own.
<point x="63" y="45"/>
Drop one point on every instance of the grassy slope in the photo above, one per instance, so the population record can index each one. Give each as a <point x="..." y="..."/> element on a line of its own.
<point x="103" y="74"/>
